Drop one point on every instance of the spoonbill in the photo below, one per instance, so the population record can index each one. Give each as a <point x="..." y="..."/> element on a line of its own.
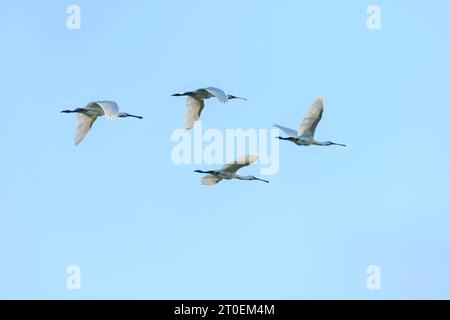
<point x="88" y="115"/>
<point x="195" y="103"/>
<point x="305" y="134"/>
<point x="229" y="171"/>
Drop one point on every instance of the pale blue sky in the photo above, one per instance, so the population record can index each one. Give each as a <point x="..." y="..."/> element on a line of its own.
<point x="140" y="227"/>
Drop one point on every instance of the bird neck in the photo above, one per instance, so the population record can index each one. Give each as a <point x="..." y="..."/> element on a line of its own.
<point x="206" y="172"/>
<point x="320" y="143"/>
<point x="288" y="138"/>
<point x="237" y="176"/>
<point x="77" y="110"/>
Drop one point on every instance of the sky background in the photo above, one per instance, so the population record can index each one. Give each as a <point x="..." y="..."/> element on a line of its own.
<point x="140" y="227"/>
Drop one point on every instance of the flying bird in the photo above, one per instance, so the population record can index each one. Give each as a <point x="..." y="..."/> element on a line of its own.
<point x="305" y="134"/>
<point x="88" y="115"/>
<point x="229" y="171"/>
<point x="195" y="103"/>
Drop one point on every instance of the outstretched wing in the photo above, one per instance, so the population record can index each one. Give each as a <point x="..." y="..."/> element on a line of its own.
<point x="210" y="180"/>
<point x="237" y="164"/>
<point x="219" y="94"/>
<point x="289" y="132"/>
<point x="110" y="108"/>
<point x="194" y="108"/>
<point x="84" y="125"/>
<point x="311" y="119"/>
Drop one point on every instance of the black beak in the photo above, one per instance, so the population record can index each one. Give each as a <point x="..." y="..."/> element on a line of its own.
<point x="234" y="97"/>
<point x="133" y="116"/>
<point x="262" y="180"/>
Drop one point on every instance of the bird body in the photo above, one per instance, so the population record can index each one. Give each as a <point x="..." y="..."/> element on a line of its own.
<point x="203" y="94"/>
<point x="305" y="134"/>
<point x="229" y="171"/>
<point x="195" y="103"/>
<point x="88" y="115"/>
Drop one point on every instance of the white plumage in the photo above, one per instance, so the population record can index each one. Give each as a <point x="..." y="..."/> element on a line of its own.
<point x="306" y="132"/>
<point x="195" y="103"/>
<point x="229" y="171"/>
<point x="88" y="115"/>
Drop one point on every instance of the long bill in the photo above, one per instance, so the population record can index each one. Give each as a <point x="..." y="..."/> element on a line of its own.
<point x="338" y="144"/>
<point x="139" y="117"/>
<point x="261" y="180"/>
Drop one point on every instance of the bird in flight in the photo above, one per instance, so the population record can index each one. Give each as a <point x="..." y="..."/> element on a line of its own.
<point x="88" y="115"/>
<point x="195" y="103"/>
<point x="229" y="171"/>
<point x="305" y="134"/>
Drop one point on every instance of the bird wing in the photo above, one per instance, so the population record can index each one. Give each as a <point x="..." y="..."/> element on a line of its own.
<point x="194" y="108"/>
<point x="237" y="164"/>
<point x="289" y="132"/>
<point x="110" y="108"/>
<point x="312" y="118"/>
<point x="210" y="180"/>
<point x="84" y="125"/>
<point x="219" y="94"/>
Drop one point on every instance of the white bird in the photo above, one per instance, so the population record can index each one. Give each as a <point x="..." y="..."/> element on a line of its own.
<point x="229" y="171"/>
<point x="305" y="134"/>
<point x="195" y="103"/>
<point x="88" y="115"/>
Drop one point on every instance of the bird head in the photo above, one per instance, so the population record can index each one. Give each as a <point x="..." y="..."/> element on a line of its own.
<point x="255" y="178"/>
<point x="234" y="97"/>
<point x="330" y="143"/>
<point x="124" y="115"/>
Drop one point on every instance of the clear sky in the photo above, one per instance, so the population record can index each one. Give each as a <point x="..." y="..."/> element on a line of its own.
<point x="140" y="226"/>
